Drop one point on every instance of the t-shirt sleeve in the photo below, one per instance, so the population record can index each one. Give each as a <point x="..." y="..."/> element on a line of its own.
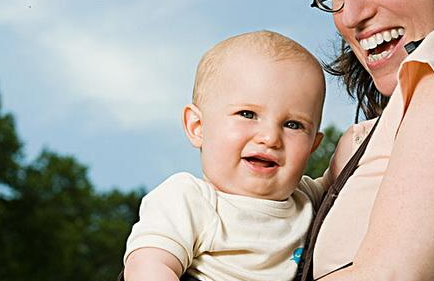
<point x="173" y="217"/>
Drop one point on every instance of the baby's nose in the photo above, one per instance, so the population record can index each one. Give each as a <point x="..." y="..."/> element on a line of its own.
<point x="269" y="136"/>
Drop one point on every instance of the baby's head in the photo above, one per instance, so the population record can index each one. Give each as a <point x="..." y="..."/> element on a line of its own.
<point x="256" y="111"/>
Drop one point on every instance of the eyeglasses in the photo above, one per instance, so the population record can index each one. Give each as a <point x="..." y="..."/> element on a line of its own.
<point x="330" y="6"/>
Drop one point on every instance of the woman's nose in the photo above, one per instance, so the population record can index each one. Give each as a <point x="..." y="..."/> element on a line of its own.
<point x="269" y="136"/>
<point x="356" y="12"/>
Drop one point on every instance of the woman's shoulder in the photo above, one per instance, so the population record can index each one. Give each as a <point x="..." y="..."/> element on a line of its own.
<point x="348" y="144"/>
<point x="354" y="136"/>
<point x="360" y="131"/>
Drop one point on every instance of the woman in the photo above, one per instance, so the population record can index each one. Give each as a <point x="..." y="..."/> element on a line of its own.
<point x="381" y="226"/>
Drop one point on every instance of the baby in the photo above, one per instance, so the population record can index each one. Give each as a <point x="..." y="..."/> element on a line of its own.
<point x="256" y="111"/>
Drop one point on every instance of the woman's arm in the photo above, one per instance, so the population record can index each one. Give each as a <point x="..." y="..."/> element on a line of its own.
<point x="152" y="264"/>
<point x="399" y="244"/>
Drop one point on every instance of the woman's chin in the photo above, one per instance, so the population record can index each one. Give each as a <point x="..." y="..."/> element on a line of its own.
<point x="385" y="85"/>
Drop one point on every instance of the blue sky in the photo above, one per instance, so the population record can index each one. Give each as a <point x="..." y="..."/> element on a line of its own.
<point x="106" y="81"/>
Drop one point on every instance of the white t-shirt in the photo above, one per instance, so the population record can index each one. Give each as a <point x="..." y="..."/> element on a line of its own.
<point x="220" y="236"/>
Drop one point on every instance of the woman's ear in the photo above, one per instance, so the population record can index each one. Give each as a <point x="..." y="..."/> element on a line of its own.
<point x="192" y="121"/>
<point x="318" y="138"/>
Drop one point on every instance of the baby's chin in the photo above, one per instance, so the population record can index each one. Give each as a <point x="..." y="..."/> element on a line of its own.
<point x="252" y="187"/>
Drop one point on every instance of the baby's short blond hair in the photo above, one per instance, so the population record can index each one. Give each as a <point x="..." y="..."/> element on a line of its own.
<point x="268" y="43"/>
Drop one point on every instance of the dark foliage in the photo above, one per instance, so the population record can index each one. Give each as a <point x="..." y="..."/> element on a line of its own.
<point x="54" y="225"/>
<point x="319" y="160"/>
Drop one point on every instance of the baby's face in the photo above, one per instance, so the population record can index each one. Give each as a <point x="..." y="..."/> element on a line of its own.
<point x="259" y="125"/>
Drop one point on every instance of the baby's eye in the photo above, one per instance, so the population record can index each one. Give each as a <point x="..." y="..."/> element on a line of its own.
<point x="294" y="125"/>
<point x="247" y="114"/>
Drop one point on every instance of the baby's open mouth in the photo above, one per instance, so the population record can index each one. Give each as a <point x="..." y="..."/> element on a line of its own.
<point x="262" y="162"/>
<point x="381" y="44"/>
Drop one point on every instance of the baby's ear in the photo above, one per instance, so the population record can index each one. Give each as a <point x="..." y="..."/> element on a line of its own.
<point x="192" y="121"/>
<point x="318" y="138"/>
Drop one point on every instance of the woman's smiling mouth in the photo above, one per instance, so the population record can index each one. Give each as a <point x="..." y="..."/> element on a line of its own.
<point x="381" y="44"/>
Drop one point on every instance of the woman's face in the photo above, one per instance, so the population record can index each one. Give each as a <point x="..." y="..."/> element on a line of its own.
<point x="377" y="31"/>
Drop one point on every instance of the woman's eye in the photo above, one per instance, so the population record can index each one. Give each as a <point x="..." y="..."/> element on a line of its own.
<point x="247" y="114"/>
<point x="294" y="125"/>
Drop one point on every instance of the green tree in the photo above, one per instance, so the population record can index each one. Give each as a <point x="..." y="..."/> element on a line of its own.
<point x="59" y="228"/>
<point x="319" y="160"/>
<point x="10" y="149"/>
<point x="113" y="216"/>
<point x="46" y="219"/>
<point x="55" y="226"/>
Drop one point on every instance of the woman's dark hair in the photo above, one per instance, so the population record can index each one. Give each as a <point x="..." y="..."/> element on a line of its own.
<point x="358" y="82"/>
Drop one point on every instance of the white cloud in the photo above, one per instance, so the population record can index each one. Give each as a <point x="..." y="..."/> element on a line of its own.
<point x="132" y="84"/>
<point x="134" y="81"/>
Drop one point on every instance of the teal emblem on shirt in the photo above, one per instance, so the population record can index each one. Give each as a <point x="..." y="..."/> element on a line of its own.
<point x="296" y="256"/>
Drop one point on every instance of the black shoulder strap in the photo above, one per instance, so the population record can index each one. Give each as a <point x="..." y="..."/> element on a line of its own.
<point x="187" y="277"/>
<point x="305" y="269"/>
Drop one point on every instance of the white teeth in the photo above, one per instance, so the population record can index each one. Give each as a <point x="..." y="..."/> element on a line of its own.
<point x="372" y="42"/>
<point x="387" y="36"/>
<point x="364" y="43"/>
<point x="379" y="38"/>
<point x="401" y="31"/>
<point x="372" y="57"/>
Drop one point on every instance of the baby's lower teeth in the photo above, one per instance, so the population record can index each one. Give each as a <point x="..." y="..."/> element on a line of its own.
<point x="375" y="57"/>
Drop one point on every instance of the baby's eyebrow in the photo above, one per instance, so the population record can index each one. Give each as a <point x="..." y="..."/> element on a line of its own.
<point x="249" y="105"/>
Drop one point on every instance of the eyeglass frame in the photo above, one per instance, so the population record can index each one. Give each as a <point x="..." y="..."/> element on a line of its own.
<point x="316" y="5"/>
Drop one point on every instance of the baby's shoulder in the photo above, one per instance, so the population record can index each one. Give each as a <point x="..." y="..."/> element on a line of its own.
<point x="185" y="186"/>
